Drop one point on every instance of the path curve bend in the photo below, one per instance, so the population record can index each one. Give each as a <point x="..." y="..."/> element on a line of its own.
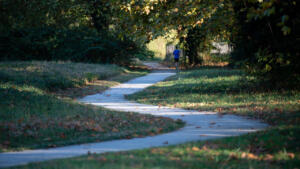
<point x="199" y="125"/>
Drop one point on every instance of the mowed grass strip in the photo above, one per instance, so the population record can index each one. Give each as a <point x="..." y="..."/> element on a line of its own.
<point x="35" y="112"/>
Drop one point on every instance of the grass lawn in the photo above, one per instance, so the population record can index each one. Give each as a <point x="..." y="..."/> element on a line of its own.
<point x="37" y="109"/>
<point x="247" y="151"/>
<point x="226" y="91"/>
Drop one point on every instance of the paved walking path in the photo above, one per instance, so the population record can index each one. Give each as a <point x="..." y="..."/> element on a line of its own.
<point x="199" y="125"/>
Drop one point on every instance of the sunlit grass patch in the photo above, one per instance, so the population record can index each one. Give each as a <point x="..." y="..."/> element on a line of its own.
<point x="226" y="91"/>
<point x="55" y="75"/>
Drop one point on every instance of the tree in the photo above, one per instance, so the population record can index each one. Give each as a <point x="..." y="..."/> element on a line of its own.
<point x="265" y="42"/>
<point x="262" y="32"/>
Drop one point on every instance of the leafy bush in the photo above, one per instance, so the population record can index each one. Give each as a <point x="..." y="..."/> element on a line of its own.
<point x="144" y="54"/>
<point x="79" y="45"/>
<point x="266" y="42"/>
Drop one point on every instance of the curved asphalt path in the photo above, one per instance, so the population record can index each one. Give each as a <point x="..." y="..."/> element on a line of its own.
<point x="199" y="125"/>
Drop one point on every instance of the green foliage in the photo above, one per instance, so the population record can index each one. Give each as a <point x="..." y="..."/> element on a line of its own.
<point x="101" y="13"/>
<point x="263" y="33"/>
<point x="218" y="58"/>
<point x="271" y="51"/>
<point x="16" y="14"/>
<point x="193" y="40"/>
<point x="214" y="27"/>
<point x="144" y="54"/>
<point x="80" y="45"/>
<point x="61" y="30"/>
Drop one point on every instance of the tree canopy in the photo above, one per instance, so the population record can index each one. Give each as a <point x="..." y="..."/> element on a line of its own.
<point x="263" y="33"/>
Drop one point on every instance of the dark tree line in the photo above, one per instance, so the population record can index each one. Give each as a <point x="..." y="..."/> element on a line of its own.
<point x="62" y="30"/>
<point x="268" y="44"/>
<point x="264" y="34"/>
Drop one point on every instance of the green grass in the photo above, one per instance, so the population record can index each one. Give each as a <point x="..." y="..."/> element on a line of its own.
<point x="35" y="113"/>
<point x="226" y="91"/>
<point x="256" y="150"/>
<point x="57" y="75"/>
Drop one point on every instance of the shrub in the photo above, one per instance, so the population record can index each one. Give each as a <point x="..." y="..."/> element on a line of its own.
<point x="79" y="45"/>
<point x="266" y="43"/>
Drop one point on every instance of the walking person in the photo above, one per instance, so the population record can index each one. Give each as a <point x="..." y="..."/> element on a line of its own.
<point x="176" y="54"/>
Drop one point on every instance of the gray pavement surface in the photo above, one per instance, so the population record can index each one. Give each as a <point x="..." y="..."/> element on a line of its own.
<point x="199" y="125"/>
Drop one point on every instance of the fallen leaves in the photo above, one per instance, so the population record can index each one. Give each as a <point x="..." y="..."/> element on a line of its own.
<point x="249" y="156"/>
<point x="291" y="155"/>
<point x="115" y="130"/>
<point x="268" y="157"/>
<point x="195" y="148"/>
<point x="157" y="151"/>
<point x="36" y="130"/>
<point x="62" y="135"/>
<point x="98" y="128"/>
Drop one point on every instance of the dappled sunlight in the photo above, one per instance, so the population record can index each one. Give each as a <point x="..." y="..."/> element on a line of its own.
<point x="21" y="88"/>
<point x="200" y="125"/>
<point x="215" y="151"/>
<point x="118" y="104"/>
<point x="205" y="123"/>
<point x="213" y="154"/>
<point x="221" y="90"/>
<point x="58" y="75"/>
<point x="228" y="97"/>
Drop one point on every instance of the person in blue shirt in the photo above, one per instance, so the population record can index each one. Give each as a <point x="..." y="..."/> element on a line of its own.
<point x="176" y="54"/>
